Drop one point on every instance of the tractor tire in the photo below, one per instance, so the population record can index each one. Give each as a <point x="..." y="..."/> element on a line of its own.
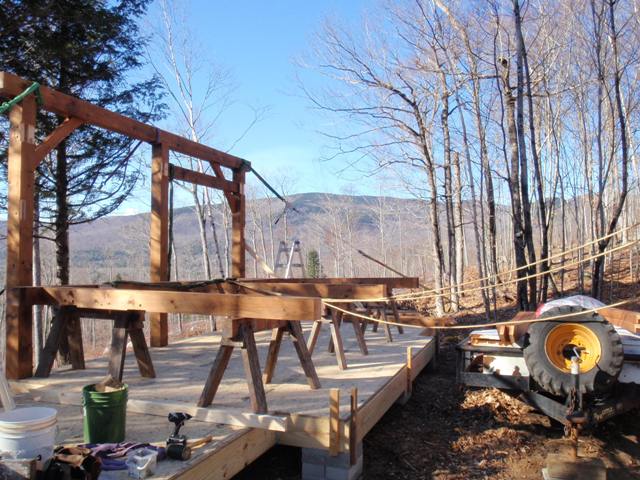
<point x="549" y="346"/>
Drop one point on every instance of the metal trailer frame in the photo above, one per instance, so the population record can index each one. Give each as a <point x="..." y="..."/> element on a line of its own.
<point x="623" y="397"/>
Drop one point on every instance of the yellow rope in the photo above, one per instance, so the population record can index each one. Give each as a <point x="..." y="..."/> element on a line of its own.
<point x="429" y="294"/>
<point x="479" y="325"/>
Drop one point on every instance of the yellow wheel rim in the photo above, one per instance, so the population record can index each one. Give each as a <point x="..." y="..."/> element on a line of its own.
<point x="563" y="339"/>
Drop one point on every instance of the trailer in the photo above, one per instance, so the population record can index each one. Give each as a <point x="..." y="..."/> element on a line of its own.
<point x="580" y="371"/>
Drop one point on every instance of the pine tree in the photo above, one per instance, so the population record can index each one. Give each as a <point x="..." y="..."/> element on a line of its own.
<point x="90" y="49"/>
<point x="314" y="268"/>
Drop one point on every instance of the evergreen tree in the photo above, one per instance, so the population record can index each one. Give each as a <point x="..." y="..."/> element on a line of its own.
<point x="314" y="269"/>
<point x="90" y="49"/>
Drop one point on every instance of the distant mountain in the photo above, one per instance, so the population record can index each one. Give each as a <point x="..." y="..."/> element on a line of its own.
<point x="395" y="230"/>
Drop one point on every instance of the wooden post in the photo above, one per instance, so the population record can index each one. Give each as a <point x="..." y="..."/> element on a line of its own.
<point x="334" y="421"/>
<point x="353" y="427"/>
<point x="237" y="206"/>
<point x="19" y="319"/>
<point x="159" y="237"/>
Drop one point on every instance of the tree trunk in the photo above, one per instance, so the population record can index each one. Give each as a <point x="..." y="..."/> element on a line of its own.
<point x="62" y="232"/>
<point x="514" y="190"/>
<point x="524" y="167"/>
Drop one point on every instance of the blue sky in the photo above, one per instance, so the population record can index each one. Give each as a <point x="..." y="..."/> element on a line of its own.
<point x="258" y="42"/>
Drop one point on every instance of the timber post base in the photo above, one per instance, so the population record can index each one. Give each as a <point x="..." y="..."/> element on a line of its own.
<point x="240" y="333"/>
<point x="294" y="329"/>
<point x="127" y="324"/>
<point x="336" y="343"/>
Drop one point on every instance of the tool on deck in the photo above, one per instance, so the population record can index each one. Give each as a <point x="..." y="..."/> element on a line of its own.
<point x="177" y="447"/>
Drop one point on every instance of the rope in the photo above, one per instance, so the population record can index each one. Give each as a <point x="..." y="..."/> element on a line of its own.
<point x="430" y="293"/>
<point x="33" y="88"/>
<point x="478" y="325"/>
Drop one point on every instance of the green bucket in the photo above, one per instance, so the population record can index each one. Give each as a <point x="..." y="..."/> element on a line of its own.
<point x="104" y="415"/>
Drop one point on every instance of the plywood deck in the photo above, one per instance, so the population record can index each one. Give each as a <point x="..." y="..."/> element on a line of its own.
<point x="183" y="366"/>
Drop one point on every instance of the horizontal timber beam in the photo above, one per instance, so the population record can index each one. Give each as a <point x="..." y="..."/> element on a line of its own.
<point x="391" y="282"/>
<point x="68" y="106"/>
<point x="185" y="175"/>
<point x="163" y="301"/>
<point x="323" y="290"/>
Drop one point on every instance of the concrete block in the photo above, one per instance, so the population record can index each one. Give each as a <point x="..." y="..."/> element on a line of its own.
<point x="314" y="455"/>
<point x="311" y="471"/>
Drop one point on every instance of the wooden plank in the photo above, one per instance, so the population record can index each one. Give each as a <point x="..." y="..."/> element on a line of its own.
<point x="231" y="456"/>
<point x="118" y="348"/>
<point x="619" y="317"/>
<point x="20" y="205"/>
<point x="391" y="282"/>
<point x="238" y="306"/>
<point x="215" y="375"/>
<point x="359" y="334"/>
<point x="386" y="326"/>
<point x="74" y="338"/>
<point x="353" y="427"/>
<point x="224" y="416"/>
<point x="238" y="207"/>
<point x="140" y="348"/>
<point x="251" y="364"/>
<point x="203" y="179"/>
<point x="409" y="367"/>
<point x="272" y="354"/>
<point x="297" y="337"/>
<point x="52" y="140"/>
<point x="334" y="421"/>
<point x="396" y="315"/>
<point x="313" y="336"/>
<point x="51" y="346"/>
<point x="159" y="236"/>
<point x="336" y="338"/>
<point x="68" y="106"/>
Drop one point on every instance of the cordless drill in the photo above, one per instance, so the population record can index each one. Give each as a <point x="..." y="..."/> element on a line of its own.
<point x="177" y="447"/>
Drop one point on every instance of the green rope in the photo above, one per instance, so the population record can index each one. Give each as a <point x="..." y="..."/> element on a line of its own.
<point x="33" y="88"/>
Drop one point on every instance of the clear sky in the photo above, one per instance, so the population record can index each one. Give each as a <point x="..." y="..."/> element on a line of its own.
<point x="258" y="41"/>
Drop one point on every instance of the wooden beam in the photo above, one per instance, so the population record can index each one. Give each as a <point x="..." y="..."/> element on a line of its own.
<point x="162" y="301"/>
<point x="391" y="282"/>
<point x="225" y="416"/>
<point x="238" y="206"/>
<point x="65" y="129"/>
<point x="19" y="320"/>
<point x="68" y="106"/>
<point x="619" y="317"/>
<point x="352" y="291"/>
<point x="204" y="180"/>
<point x="159" y="236"/>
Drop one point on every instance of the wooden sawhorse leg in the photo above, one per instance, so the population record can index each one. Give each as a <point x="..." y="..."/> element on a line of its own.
<point x="335" y="342"/>
<point x="66" y="323"/>
<point x="297" y="337"/>
<point x="396" y="315"/>
<point x="245" y="339"/>
<point x="129" y="324"/>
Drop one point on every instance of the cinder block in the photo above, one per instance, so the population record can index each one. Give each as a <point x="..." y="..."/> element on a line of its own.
<point x="342" y="460"/>
<point x="312" y="471"/>
<point x="314" y="455"/>
<point x="317" y="464"/>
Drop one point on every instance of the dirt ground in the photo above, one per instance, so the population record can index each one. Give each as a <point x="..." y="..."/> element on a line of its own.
<point x="446" y="432"/>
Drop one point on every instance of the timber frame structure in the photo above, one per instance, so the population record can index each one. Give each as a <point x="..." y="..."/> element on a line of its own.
<point x="331" y="438"/>
<point x="270" y="305"/>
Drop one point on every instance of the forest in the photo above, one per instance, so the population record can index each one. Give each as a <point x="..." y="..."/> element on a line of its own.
<point x="507" y="129"/>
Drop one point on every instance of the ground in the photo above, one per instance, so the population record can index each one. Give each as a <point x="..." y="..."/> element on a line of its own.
<point x="446" y="432"/>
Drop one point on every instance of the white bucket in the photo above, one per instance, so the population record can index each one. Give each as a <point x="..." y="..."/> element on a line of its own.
<point x="28" y="432"/>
